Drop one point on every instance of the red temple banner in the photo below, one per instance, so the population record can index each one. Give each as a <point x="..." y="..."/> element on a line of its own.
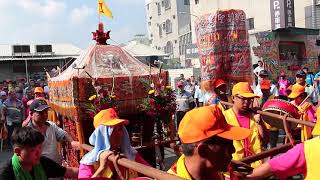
<point x="224" y="50"/>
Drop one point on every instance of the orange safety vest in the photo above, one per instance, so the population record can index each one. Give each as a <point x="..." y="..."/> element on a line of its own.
<point x="254" y="138"/>
<point x="306" y="132"/>
<point x="312" y="156"/>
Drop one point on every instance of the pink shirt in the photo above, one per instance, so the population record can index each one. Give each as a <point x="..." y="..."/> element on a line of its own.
<point x="290" y="163"/>
<point x="244" y="121"/>
<point x="311" y="113"/>
<point x="283" y="84"/>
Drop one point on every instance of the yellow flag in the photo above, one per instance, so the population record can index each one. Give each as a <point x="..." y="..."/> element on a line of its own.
<point x="103" y="9"/>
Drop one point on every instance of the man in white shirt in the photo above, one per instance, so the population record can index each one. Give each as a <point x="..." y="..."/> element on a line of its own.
<point x="257" y="70"/>
<point x="263" y="75"/>
<point x="198" y="96"/>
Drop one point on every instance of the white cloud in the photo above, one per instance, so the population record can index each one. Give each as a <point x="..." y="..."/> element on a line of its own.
<point x="48" y="8"/>
<point x="78" y="15"/>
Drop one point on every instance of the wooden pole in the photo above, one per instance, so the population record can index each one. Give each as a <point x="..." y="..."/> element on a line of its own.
<point x="140" y="168"/>
<point x="278" y="117"/>
<point x="265" y="154"/>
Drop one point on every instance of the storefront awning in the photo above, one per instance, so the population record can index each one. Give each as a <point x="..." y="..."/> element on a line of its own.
<point x="297" y="31"/>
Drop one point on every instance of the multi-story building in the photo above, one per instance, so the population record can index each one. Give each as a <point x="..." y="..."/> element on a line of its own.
<point x="169" y="27"/>
<point x="282" y="33"/>
<point x="32" y="61"/>
<point x="257" y="12"/>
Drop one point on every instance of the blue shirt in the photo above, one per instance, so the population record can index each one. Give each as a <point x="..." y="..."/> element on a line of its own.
<point x="318" y="76"/>
<point x="309" y="79"/>
<point x="14" y="112"/>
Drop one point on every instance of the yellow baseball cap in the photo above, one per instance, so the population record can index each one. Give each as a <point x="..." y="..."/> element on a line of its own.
<point x="108" y="117"/>
<point x="297" y="89"/>
<point x="243" y="89"/>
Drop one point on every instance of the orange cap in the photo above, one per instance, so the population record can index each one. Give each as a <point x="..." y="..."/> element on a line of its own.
<point x="204" y="122"/>
<point x="38" y="90"/>
<point x="108" y="117"/>
<point x="218" y="82"/>
<point x="243" y="89"/>
<point x="297" y="89"/>
<point x="265" y="84"/>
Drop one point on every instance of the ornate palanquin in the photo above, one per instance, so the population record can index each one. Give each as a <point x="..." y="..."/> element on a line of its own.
<point x="110" y="67"/>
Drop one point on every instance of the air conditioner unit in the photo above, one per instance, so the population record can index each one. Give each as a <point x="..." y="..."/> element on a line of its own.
<point x="317" y="2"/>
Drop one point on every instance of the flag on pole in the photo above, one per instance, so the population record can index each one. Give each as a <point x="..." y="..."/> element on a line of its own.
<point x="103" y="9"/>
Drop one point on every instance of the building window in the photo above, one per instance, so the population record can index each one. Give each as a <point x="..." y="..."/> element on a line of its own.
<point x="44" y="48"/>
<point x="149" y="23"/>
<point x="186" y="2"/>
<point x="162" y="3"/>
<point x="168" y="48"/>
<point x="168" y="26"/>
<point x="21" y="49"/>
<point x="160" y="31"/>
<point x="164" y="26"/>
<point x="196" y="1"/>
<point x="167" y="4"/>
<point x="159" y="9"/>
<point x="250" y="23"/>
<point x="147" y="6"/>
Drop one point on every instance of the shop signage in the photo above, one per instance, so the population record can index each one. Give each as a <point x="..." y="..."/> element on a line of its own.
<point x="282" y="13"/>
<point x="192" y="51"/>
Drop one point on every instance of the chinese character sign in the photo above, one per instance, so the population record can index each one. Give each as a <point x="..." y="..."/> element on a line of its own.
<point x="282" y="13"/>
<point x="223" y="46"/>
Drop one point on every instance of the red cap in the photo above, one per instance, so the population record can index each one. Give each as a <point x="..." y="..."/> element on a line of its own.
<point x="265" y="84"/>
<point x="218" y="82"/>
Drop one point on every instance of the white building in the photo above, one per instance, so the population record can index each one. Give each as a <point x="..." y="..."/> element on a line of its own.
<point x="32" y="60"/>
<point x="258" y="14"/>
<point x="169" y="27"/>
<point x="145" y="53"/>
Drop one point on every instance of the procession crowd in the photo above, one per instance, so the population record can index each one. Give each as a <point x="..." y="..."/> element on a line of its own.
<point x="213" y="137"/>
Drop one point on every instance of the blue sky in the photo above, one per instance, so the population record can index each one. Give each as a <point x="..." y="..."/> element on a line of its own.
<point x="67" y="21"/>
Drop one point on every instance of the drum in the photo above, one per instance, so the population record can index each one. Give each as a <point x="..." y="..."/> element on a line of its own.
<point x="280" y="107"/>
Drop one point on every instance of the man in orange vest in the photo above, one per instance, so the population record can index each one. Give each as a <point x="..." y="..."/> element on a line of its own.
<point x="303" y="159"/>
<point x="307" y="110"/>
<point x="242" y="116"/>
<point x="206" y="144"/>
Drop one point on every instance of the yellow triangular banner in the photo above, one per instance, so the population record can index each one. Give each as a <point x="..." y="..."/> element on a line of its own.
<point x="103" y="9"/>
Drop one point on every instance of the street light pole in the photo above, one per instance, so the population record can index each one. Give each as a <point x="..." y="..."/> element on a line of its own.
<point x="27" y="73"/>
